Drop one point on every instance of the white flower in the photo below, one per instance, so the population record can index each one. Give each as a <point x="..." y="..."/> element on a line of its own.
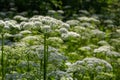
<point x="22" y="24"/>
<point x="18" y="36"/>
<point x="85" y="48"/>
<point x="11" y="24"/>
<point x="51" y="11"/>
<point x="68" y="63"/>
<point x="66" y="78"/>
<point x="115" y="42"/>
<point x="19" y="44"/>
<point x="118" y="31"/>
<point x="25" y="32"/>
<point x="7" y="35"/>
<point x="90" y="65"/>
<point x="34" y="19"/>
<point x="113" y="54"/>
<point x="97" y="33"/>
<point x="65" y="25"/>
<point x="82" y="19"/>
<point x="63" y="30"/>
<point x="17" y="26"/>
<point x="99" y="69"/>
<point x="84" y="12"/>
<point x="12" y="21"/>
<point x="56" y="58"/>
<point x="102" y="43"/>
<point x="99" y="62"/>
<point x="110" y="26"/>
<point x="19" y="17"/>
<point x="79" y="29"/>
<point x="70" y="35"/>
<point x="38" y="23"/>
<point x="103" y="49"/>
<point x="2" y="24"/>
<point x="89" y="19"/>
<point x="88" y="25"/>
<point x="108" y="21"/>
<point x="60" y="11"/>
<point x="73" y="22"/>
<point x="73" y="34"/>
<point x="55" y="39"/>
<point x="28" y="25"/>
<point x="30" y="38"/>
<point x="94" y="20"/>
<point x="46" y="28"/>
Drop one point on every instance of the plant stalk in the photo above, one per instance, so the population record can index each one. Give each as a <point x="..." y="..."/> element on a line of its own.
<point x="2" y="57"/>
<point x="45" y="57"/>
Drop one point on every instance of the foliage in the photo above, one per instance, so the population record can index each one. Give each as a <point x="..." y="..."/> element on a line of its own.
<point x="77" y="40"/>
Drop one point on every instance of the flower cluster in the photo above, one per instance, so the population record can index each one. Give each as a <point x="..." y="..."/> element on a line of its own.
<point x="91" y="65"/>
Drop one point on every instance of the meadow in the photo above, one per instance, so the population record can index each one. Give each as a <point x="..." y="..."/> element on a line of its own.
<point x="47" y="48"/>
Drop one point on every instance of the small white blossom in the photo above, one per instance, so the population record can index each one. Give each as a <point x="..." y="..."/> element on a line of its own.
<point x="73" y="34"/>
<point x="102" y="43"/>
<point x="84" y="12"/>
<point x="118" y="31"/>
<point x="103" y="49"/>
<point x="108" y="21"/>
<point x="113" y="54"/>
<point x="85" y="48"/>
<point x="73" y="22"/>
<point x="99" y="62"/>
<point x="21" y="18"/>
<point x="97" y="33"/>
<point x="79" y="29"/>
<point x="88" y="25"/>
<point x="60" y="11"/>
<point x="65" y="25"/>
<point x="46" y="28"/>
<point x="25" y="32"/>
<point x="82" y="19"/>
<point x="70" y="35"/>
<point x="2" y="24"/>
<point x="63" y="30"/>
<point x="55" y="39"/>
<point x="30" y="38"/>
<point x="91" y="65"/>
<point x="51" y="11"/>
<point x="28" y="25"/>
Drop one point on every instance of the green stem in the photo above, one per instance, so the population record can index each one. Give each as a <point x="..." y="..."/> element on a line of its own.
<point x="28" y="66"/>
<point x="2" y="58"/>
<point x="45" y="57"/>
<point x="47" y="54"/>
<point x="41" y="64"/>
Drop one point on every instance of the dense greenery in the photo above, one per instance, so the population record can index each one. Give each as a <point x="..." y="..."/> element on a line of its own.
<point x="59" y="40"/>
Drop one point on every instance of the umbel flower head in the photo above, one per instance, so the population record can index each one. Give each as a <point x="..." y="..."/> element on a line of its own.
<point x="70" y="35"/>
<point x="20" y="18"/>
<point x="46" y="28"/>
<point x="3" y="26"/>
<point x="91" y="65"/>
<point x="73" y="22"/>
<point x="63" y="30"/>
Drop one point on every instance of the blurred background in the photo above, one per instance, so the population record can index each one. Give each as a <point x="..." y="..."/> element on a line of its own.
<point x="66" y="8"/>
